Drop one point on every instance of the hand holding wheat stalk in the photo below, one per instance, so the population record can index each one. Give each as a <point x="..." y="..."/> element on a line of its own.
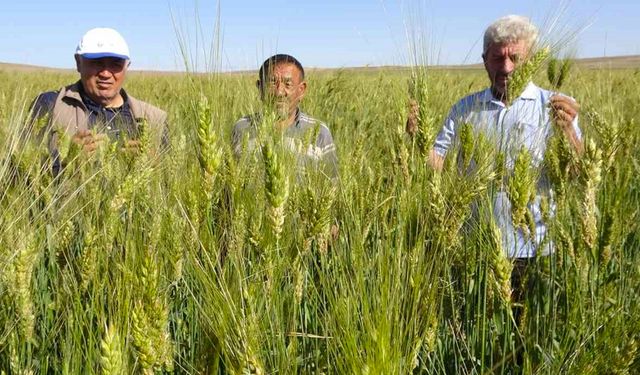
<point x="564" y="111"/>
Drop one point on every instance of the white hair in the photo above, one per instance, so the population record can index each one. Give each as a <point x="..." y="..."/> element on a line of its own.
<point x="509" y="29"/>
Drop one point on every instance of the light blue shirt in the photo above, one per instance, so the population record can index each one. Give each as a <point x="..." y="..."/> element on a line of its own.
<point x="526" y="122"/>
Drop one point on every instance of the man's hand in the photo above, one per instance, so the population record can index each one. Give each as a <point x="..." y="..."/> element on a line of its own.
<point x="89" y="142"/>
<point x="563" y="111"/>
<point x="132" y="146"/>
<point x="435" y="160"/>
<point x="335" y="232"/>
<point x="412" y="120"/>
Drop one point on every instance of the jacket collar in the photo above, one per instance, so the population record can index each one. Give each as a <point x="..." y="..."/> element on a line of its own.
<point x="76" y="92"/>
<point x="73" y="92"/>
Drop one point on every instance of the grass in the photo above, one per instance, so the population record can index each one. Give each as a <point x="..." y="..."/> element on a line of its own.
<point x="201" y="263"/>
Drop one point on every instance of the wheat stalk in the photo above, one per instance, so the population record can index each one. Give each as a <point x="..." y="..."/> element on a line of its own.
<point x="276" y="189"/>
<point x="521" y="191"/>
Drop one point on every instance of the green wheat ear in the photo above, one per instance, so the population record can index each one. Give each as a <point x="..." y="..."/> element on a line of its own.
<point x="466" y="144"/>
<point x="419" y="91"/>
<point x="521" y="191"/>
<point x="210" y="156"/>
<point x="558" y="71"/>
<point x="552" y="70"/>
<point x="111" y="352"/>
<point x="567" y="64"/>
<point x="144" y="135"/>
<point x="276" y="188"/>
<point x="591" y="176"/>
<point x="524" y="73"/>
<point x="500" y="265"/>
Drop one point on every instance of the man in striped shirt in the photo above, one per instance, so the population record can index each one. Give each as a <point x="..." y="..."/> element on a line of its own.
<point x="282" y="86"/>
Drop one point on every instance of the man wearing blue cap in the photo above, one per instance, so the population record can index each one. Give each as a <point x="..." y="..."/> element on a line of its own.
<point x="96" y="108"/>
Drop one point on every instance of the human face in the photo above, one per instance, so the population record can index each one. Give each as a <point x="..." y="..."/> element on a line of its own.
<point x="283" y="88"/>
<point x="500" y="60"/>
<point x="102" y="79"/>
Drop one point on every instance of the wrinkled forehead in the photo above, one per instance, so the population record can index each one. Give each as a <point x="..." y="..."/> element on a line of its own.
<point x="284" y="69"/>
<point x="509" y="47"/>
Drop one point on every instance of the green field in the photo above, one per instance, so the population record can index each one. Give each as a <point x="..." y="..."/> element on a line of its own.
<point x="200" y="263"/>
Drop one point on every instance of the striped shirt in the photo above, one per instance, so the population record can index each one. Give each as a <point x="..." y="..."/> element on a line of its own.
<point x="320" y="153"/>
<point x="527" y="122"/>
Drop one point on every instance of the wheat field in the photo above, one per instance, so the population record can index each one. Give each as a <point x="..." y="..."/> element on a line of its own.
<point x="195" y="262"/>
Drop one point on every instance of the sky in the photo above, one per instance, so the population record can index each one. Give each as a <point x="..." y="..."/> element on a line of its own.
<point x="240" y="34"/>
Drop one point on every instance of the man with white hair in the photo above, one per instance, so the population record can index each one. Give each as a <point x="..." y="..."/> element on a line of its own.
<point x="512" y="121"/>
<point x="96" y="108"/>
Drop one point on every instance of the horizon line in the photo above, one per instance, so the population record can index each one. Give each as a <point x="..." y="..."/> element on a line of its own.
<point x="581" y="60"/>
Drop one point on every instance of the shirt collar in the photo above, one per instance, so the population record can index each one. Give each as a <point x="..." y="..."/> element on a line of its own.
<point x="530" y="92"/>
<point x="296" y="120"/>
<point x="93" y="105"/>
<point x="486" y="96"/>
<point x="257" y="117"/>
